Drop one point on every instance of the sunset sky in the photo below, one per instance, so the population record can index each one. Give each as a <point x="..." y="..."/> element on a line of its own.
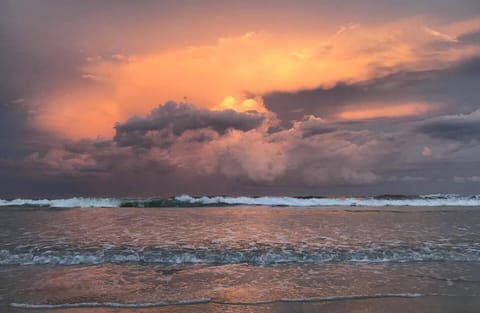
<point x="156" y="98"/>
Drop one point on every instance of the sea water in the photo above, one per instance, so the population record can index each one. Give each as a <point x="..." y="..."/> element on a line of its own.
<point x="241" y="258"/>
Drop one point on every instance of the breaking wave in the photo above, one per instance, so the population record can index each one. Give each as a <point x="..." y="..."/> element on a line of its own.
<point x="206" y="201"/>
<point x="65" y="203"/>
<point x="379" y="201"/>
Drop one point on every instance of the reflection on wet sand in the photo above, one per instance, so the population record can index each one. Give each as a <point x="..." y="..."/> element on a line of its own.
<point x="240" y="288"/>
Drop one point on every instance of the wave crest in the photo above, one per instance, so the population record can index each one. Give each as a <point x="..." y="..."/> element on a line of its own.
<point x="208" y="201"/>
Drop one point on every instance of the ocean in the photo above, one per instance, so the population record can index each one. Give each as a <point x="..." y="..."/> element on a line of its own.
<point x="241" y="254"/>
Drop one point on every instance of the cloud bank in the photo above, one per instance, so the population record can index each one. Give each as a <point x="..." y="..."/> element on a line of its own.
<point x="170" y="97"/>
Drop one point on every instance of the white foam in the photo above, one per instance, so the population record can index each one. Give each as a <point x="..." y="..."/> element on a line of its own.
<point x="354" y="297"/>
<point x="420" y="201"/>
<point x="446" y="200"/>
<point x="208" y="300"/>
<point x="271" y="255"/>
<point x="108" y="304"/>
<point x="76" y="202"/>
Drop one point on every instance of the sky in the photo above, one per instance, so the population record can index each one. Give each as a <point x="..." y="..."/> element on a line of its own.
<point x="161" y="98"/>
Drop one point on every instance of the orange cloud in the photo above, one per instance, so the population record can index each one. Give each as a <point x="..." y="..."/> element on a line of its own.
<point x="384" y="112"/>
<point x="234" y="72"/>
<point x="87" y="114"/>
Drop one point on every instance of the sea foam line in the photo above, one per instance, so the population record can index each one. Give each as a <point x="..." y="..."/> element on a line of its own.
<point x="270" y="255"/>
<point x="109" y="304"/>
<point x="427" y="200"/>
<point x="189" y="201"/>
<point x="211" y="301"/>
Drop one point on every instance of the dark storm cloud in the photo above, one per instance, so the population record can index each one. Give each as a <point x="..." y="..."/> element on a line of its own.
<point x="453" y="90"/>
<point x="171" y="120"/>
<point x="15" y="131"/>
<point x="37" y="48"/>
<point x="463" y="128"/>
<point x="470" y="38"/>
<point x="102" y="168"/>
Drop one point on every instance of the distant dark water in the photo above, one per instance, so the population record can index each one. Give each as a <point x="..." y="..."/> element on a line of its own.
<point x="240" y="259"/>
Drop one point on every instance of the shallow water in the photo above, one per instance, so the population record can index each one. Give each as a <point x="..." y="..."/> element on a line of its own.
<point x="240" y="259"/>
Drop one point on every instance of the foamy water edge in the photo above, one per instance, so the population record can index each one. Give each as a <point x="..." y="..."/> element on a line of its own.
<point x="207" y="301"/>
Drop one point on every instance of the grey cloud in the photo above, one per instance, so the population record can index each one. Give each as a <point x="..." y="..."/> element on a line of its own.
<point x="470" y="38"/>
<point x="314" y="126"/>
<point x="454" y="89"/>
<point x="35" y="53"/>
<point x="463" y="128"/>
<point x="102" y="168"/>
<point x="463" y="180"/>
<point x="16" y="134"/>
<point x="253" y="162"/>
<point x="406" y="179"/>
<point x="171" y="120"/>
